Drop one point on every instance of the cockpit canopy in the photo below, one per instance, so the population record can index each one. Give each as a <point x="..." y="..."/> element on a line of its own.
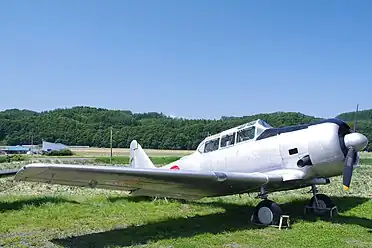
<point x="243" y="133"/>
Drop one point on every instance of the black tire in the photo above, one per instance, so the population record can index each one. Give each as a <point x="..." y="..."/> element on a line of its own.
<point x="324" y="201"/>
<point x="267" y="205"/>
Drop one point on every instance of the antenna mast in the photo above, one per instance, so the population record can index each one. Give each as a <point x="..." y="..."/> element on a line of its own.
<point x="355" y="117"/>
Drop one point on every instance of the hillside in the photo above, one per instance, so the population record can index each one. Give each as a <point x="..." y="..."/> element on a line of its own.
<point x="363" y="115"/>
<point x="90" y="126"/>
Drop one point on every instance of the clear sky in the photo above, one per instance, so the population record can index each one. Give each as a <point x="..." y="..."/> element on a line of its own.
<point x="193" y="58"/>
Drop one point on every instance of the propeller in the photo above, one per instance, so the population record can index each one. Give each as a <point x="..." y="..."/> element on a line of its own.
<point x="354" y="142"/>
<point x="348" y="167"/>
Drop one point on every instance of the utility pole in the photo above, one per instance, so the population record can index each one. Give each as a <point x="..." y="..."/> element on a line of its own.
<point x="32" y="150"/>
<point x="355" y="117"/>
<point x="110" y="145"/>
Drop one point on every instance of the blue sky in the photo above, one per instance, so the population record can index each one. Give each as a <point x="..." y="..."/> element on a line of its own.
<point x="195" y="58"/>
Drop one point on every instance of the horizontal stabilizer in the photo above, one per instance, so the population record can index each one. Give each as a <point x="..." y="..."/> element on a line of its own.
<point x="8" y="173"/>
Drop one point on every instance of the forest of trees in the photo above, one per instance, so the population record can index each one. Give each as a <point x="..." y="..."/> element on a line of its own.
<point x="91" y="126"/>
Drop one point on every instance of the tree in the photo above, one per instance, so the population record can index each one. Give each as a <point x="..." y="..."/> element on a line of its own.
<point x="89" y="126"/>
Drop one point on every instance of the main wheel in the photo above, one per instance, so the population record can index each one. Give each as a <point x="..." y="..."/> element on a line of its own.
<point x="323" y="202"/>
<point x="267" y="213"/>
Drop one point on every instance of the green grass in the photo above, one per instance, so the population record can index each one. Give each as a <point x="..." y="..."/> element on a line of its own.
<point x="120" y="221"/>
<point x="41" y="215"/>
<point x="12" y="158"/>
<point x="365" y="161"/>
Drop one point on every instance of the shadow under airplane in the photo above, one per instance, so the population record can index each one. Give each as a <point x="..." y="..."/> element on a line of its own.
<point x="236" y="217"/>
<point x="19" y="204"/>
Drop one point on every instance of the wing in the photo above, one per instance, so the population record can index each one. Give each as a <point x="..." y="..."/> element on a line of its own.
<point x="7" y="173"/>
<point x="148" y="181"/>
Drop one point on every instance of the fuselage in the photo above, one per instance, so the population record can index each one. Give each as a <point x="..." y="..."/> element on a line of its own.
<point x="315" y="150"/>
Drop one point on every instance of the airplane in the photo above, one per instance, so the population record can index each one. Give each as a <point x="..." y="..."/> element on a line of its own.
<point x="250" y="158"/>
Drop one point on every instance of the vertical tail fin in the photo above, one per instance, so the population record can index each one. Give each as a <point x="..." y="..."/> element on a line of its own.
<point x="138" y="157"/>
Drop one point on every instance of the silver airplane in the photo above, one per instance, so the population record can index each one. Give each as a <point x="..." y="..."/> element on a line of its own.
<point x="254" y="157"/>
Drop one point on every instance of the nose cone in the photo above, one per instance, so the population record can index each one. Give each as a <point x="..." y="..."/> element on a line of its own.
<point x="356" y="140"/>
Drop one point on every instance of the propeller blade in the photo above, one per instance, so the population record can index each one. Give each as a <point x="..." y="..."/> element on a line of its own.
<point x="348" y="167"/>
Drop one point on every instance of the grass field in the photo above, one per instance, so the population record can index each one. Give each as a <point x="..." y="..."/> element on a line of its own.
<point x="40" y="215"/>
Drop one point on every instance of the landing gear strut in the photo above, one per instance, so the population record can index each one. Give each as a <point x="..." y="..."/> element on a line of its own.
<point x="320" y="204"/>
<point x="267" y="212"/>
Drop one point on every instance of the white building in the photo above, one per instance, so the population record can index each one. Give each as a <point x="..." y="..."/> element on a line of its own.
<point x="48" y="146"/>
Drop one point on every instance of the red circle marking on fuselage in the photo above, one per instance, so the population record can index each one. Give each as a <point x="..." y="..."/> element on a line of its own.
<point x="174" y="167"/>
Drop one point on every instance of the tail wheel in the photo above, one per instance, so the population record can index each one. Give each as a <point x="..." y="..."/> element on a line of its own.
<point x="267" y="213"/>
